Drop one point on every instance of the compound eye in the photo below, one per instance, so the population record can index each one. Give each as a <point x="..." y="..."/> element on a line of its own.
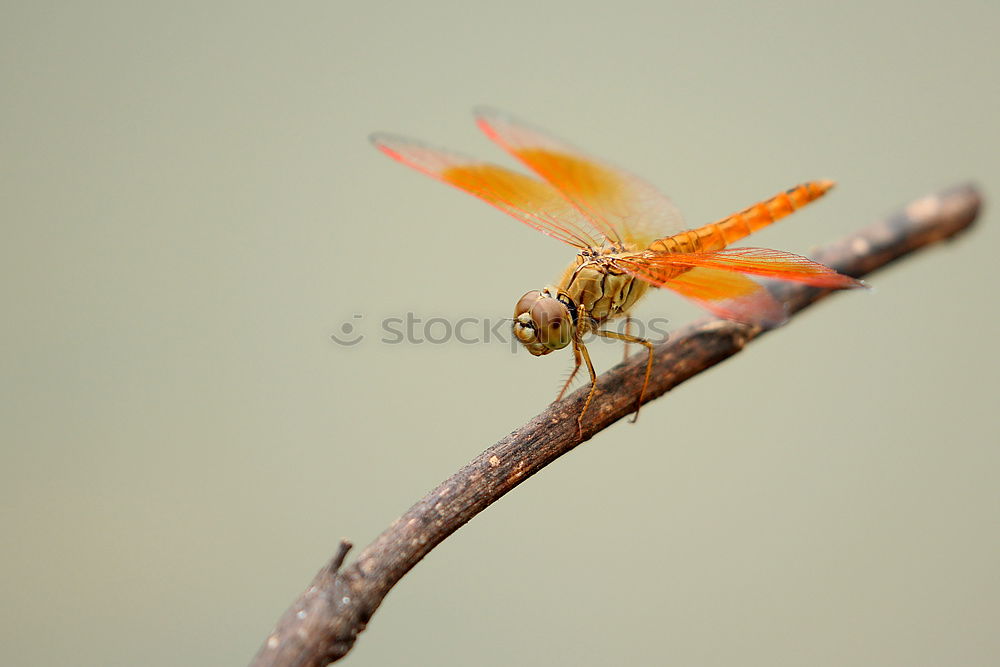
<point x="552" y="322"/>
<point x="525" y="303"/>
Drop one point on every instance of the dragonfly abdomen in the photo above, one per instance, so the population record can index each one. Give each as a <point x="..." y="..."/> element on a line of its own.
<point x="718" y="235"/>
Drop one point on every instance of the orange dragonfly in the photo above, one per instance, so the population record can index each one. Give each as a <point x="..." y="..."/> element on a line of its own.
<point x="628" y="238"/>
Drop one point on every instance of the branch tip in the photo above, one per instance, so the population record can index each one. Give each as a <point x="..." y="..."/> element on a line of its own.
<point x="338" y="558"/>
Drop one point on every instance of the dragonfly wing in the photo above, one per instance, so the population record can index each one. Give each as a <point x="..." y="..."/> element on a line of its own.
<point x="718" y="281"/>
<point x="536" y="204"/>
<point x="622" y="206"/>
<point x="729" y="295"/>
<point x="762" y="262"/>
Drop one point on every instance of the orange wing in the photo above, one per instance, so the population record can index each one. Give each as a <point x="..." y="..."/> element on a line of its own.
<point x="715" y="280"/>
<point x="625" y="208"/>
<point x="536" y="204"/>
<point x="761" y="262"/>
<point x="724" y="293"/>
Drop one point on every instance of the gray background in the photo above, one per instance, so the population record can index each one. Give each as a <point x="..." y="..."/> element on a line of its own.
<point x="190" y="209"/>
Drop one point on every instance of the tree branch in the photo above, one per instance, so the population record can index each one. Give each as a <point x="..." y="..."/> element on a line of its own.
<point x="323" y="623"/>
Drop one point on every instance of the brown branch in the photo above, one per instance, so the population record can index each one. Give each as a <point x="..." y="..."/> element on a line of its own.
<point x="323" y="623"/>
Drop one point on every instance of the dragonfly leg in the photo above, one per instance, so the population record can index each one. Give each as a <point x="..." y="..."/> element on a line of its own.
<point x="649" y="361"/>
<point x="593" y="385"/>
<point x="576" y="369"/>
<point x="628" y="332"/>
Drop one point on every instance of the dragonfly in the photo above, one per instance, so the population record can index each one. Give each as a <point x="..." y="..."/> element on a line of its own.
<point x="628" y="236"/>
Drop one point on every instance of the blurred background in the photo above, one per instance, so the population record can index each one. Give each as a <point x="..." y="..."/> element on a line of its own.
<point x="190" y="210"/>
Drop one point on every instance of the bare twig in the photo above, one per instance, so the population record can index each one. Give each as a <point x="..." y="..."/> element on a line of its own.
<point x="323" y="623"/>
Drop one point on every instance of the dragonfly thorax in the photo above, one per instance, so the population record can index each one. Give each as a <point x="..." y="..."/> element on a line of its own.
<point x="544" y="320"/>
<point x="600" y="287"/>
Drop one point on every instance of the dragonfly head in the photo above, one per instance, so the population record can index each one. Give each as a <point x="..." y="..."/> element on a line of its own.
<point x="544" y="320"/>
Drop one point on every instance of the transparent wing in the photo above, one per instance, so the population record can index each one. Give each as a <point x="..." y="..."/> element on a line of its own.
<point x="527" y="199"/>
<point x="622" y="206"/>
<point x="761" y="262"/>
<point x="723" y="293"/>
<point x="718" y="282"/>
